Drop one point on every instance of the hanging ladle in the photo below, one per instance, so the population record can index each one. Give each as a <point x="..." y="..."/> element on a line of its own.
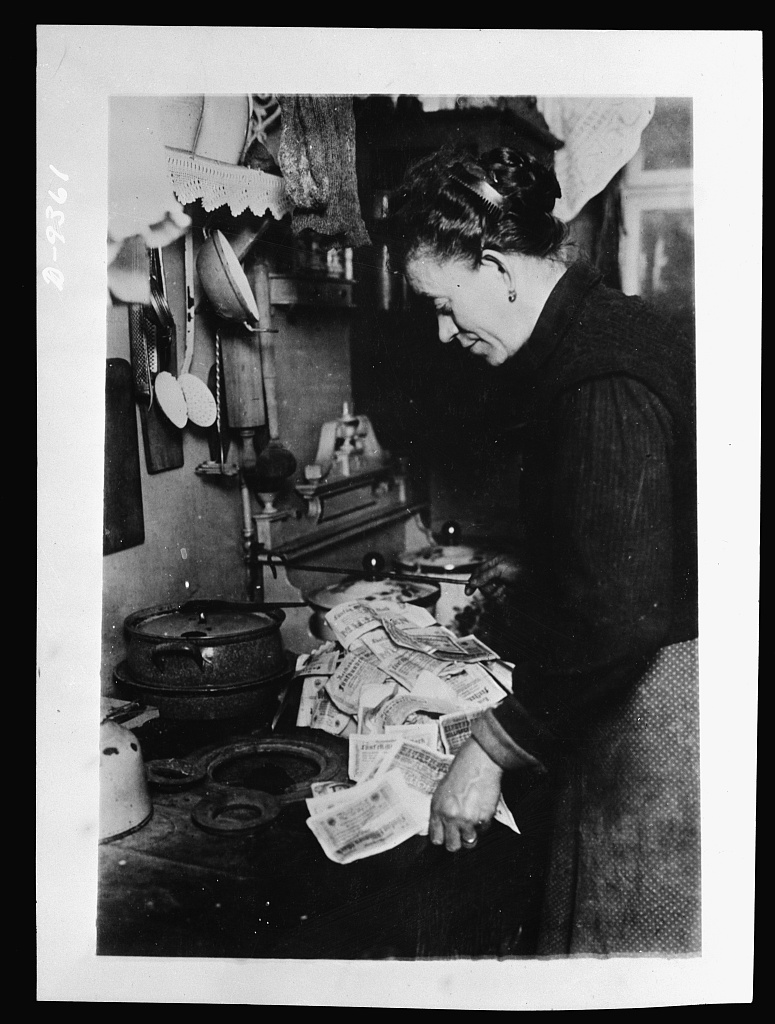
<point x="186" y="397"/>
<point x="200" y="402"/>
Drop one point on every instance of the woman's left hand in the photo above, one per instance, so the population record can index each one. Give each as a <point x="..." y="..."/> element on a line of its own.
<point x="465" y="799"/>
<point x="494" y="576"/>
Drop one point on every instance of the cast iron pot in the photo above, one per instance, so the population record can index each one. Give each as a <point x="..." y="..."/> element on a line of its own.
<point x="258" y="699"/>
<point x="204" y="644"/>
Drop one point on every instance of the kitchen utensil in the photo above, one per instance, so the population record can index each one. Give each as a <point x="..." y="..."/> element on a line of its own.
<point x="219" y="443"/>
<point x="283" y="698"/>
<point x="204" y="644"/>
<point x="124" y="801"/>
<point x="140" y="354"/>
<point x="162" y="440"/>
<point x="167" y="389"/>
<point x="200" y="403"/>
<point x="171" y="399"/>
<point x="159" y="307"/>
<point x="242" y="380"/>
<point x="123" y="525"/>
<point x="224" y="281"/>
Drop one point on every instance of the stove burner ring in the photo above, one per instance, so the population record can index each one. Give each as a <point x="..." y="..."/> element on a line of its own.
<point x="300" y="750"/>
<point x="238" y="810"/>
<point x="235" y="811"/>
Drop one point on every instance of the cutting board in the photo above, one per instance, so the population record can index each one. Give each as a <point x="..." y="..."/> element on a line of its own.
<point x="162" y="439"/>
<point x="123" y="525"/>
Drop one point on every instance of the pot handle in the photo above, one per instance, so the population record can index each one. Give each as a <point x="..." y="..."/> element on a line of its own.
<point x="176" y="647"/>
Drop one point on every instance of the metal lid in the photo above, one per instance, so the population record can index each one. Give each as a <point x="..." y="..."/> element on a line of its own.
<point x="438" y="558"/>
<point x="200" y="621"/>
<point x="356" y="589"/>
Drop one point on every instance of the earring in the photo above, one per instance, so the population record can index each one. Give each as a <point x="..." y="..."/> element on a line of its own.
<point x="512" y="295"/>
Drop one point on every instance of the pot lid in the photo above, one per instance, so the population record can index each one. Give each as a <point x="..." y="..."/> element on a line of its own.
<point x="356" y="589"/>
<point x="198" y="621"/>
<point x="440" y="558"/>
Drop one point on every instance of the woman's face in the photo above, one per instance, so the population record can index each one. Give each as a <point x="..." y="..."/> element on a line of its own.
<point x="472" y="305"/>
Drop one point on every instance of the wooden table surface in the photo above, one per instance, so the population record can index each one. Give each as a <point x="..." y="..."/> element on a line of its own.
<point x="173" y="889"/>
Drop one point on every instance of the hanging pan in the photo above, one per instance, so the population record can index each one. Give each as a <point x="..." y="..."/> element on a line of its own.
<point x="225" y="283"/>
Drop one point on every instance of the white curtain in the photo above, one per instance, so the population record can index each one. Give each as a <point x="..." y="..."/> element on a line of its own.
<point x="142" y="207"/>
<point x="600" y="135"/>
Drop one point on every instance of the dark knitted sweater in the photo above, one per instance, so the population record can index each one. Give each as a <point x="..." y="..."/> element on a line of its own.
<point x="608" y="503"/>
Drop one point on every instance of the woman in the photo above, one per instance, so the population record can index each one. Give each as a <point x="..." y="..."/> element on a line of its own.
<point x="605" y="601"/>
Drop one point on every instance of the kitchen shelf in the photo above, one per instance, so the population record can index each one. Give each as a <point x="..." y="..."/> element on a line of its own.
<point x="286" y="290"/>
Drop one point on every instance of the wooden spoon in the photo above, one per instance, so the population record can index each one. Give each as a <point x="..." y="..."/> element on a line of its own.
<point x="200" y="402"/>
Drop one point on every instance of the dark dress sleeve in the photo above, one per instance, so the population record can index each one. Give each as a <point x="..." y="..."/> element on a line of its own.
<point x="606" y="592"/>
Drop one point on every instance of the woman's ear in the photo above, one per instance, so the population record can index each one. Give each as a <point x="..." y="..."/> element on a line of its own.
<point x="496" y="258"/>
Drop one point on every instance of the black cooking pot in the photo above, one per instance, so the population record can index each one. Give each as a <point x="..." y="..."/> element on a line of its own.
<point x="201" y="645"/>
<point x="257" y="699"/>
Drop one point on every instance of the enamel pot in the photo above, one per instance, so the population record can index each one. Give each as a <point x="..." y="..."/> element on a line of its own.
<point x="204" y="646"/>
<point x="257" y="699"/>
<point x="425" y="595"/>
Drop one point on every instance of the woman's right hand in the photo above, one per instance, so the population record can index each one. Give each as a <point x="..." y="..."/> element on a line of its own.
<point x="494" y="576"/>
<point x="466" y="798"/>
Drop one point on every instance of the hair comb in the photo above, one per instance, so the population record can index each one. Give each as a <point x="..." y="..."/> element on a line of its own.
<point x="492" y="200"/>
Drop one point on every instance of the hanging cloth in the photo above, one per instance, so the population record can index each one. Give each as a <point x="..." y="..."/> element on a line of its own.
<point x="317" y="158"/>
<point x="600" y="134"/>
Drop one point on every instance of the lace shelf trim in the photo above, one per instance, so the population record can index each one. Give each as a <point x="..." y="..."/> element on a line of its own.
<point x="216" y="184"/>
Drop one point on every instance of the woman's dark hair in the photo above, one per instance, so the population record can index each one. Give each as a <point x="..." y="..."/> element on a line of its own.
<point x="458" y="205"/>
